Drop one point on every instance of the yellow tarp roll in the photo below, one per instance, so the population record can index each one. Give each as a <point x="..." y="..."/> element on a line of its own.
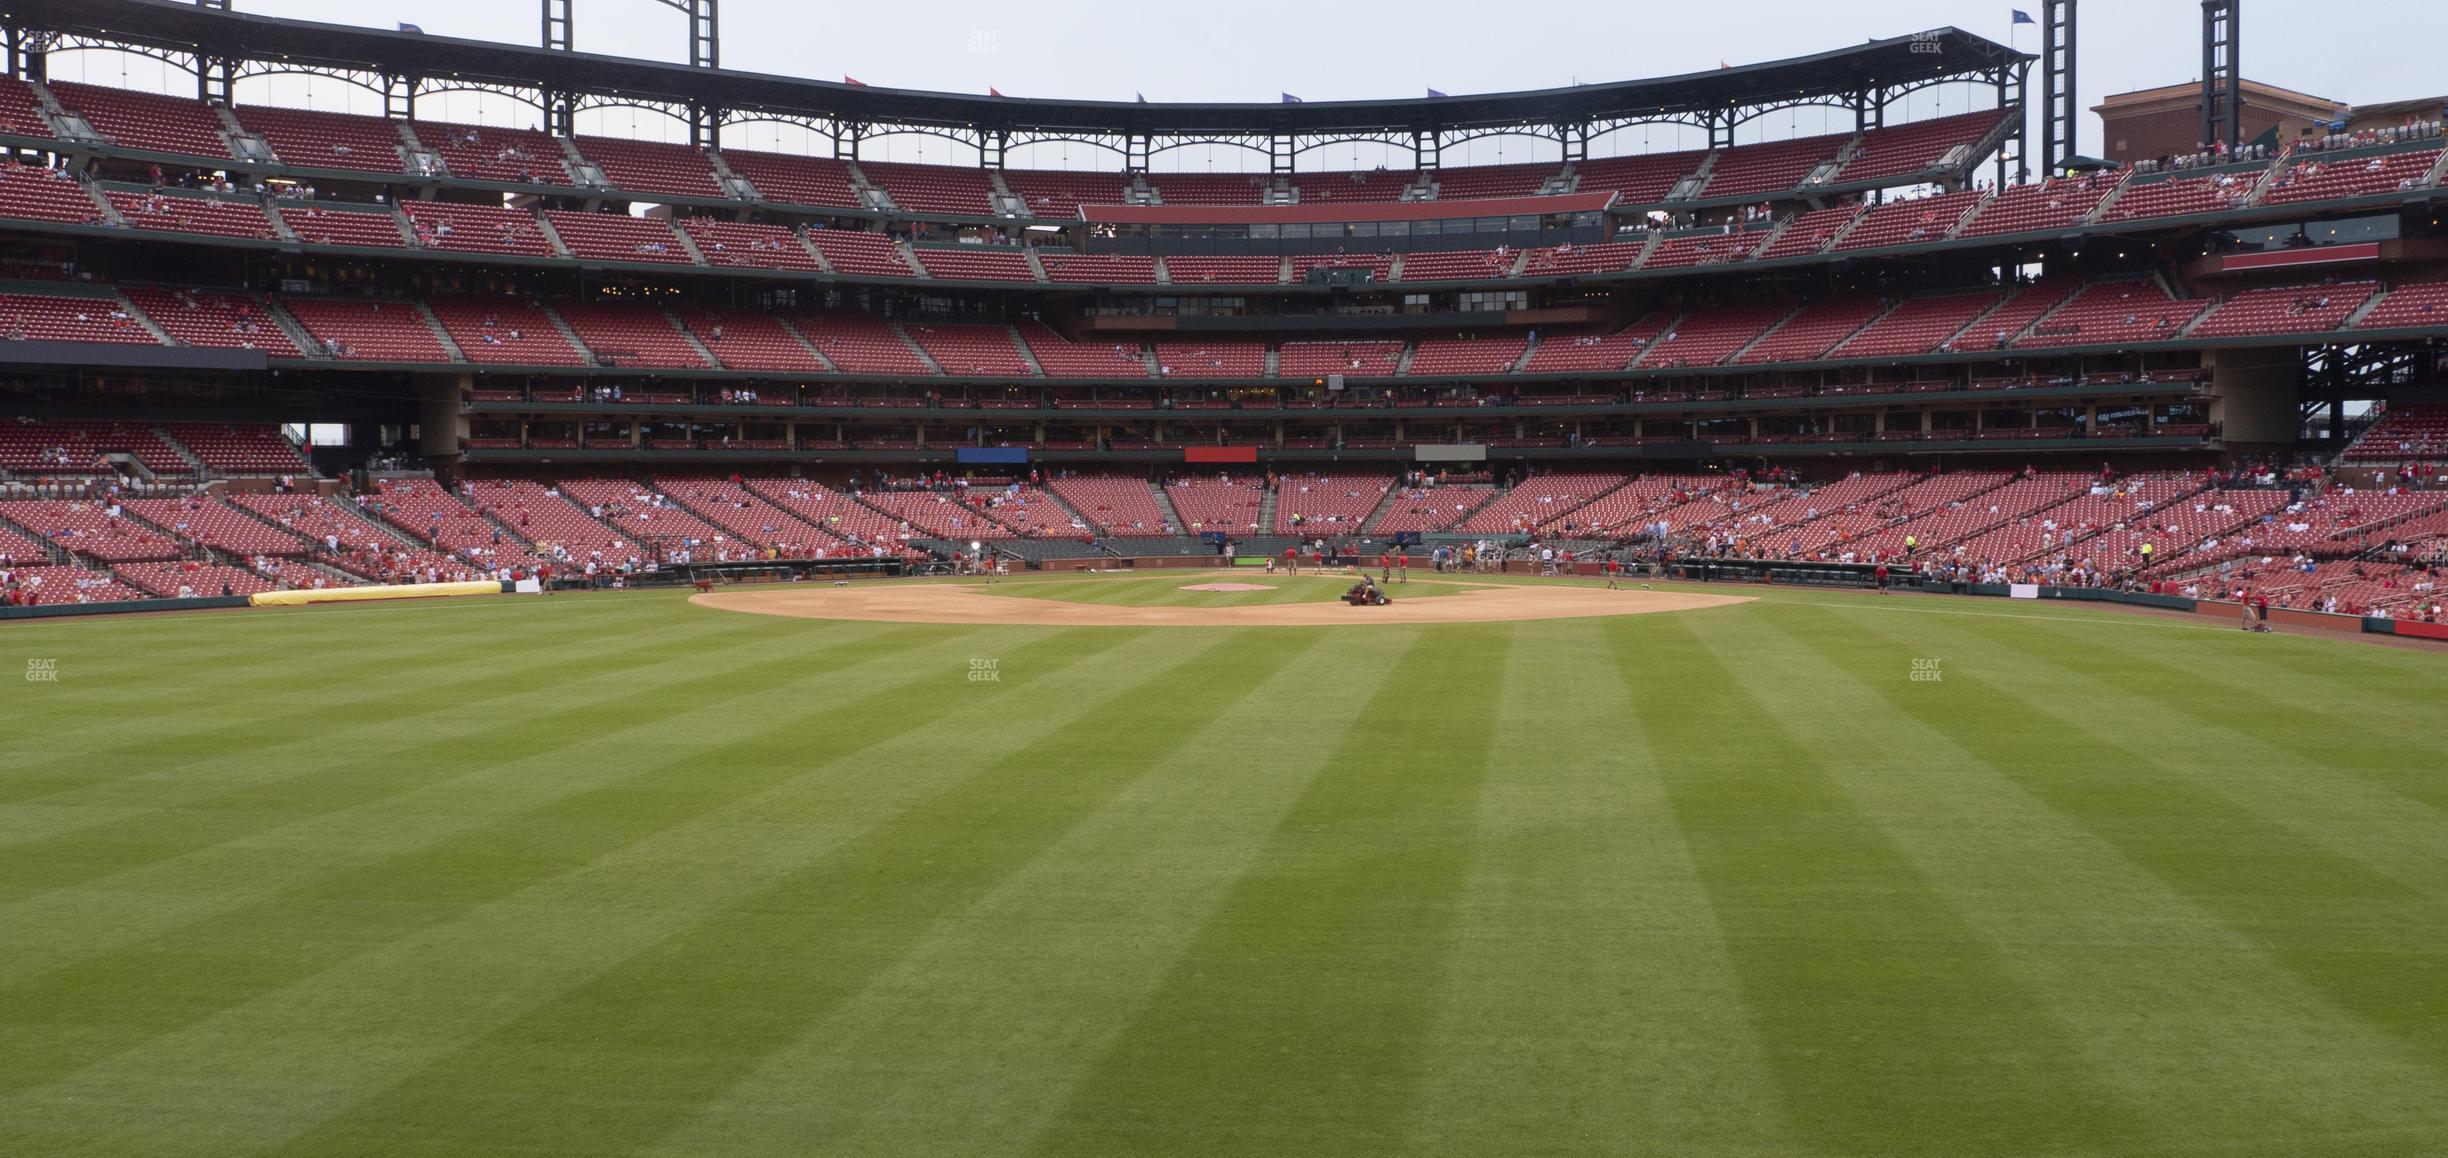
<point x="357" y="594"/>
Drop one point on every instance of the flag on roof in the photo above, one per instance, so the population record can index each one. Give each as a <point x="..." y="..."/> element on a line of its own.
<point x="2022" y="17"/>
<point x="1434" y="93"/>
<point x="407" y="27"/>
<point x="854" y="80"/>
<point x="1142" y="97"/>
<point x="993" y="91"/>
<point x="1289" y="99"/>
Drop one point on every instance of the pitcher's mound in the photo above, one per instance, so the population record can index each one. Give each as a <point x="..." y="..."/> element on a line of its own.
<point x="937" y="603"/>
<point x="1229" y="587"/>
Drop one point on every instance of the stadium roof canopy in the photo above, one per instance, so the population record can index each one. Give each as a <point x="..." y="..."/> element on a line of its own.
<point x="187" y="29"/>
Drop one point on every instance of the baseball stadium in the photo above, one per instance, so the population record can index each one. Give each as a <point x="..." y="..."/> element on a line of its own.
<point x="575" y="603"/>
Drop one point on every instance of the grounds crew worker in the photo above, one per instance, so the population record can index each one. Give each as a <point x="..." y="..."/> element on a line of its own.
<point x="2147" y="549"/>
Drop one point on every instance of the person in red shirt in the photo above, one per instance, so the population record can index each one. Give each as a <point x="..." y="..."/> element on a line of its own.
<point x="1385" y="566"/>
<point x="1612" y="568"/>
<point x="1402" y="566"/>
<point x="1292" y="560"/>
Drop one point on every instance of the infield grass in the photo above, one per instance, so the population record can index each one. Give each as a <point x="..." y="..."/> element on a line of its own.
<point x="616" y="874"/>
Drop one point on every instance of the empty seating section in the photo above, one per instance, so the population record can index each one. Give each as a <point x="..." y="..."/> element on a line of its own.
<point x="1217" y="504"/>
<point x="618" y="237"/>
<point x="750" y="341"/>
<point x="1477" y="181"/>
<point x="1810" y="232"/>
<point x="1211" y="357"/>
<point x="1995" y="330"/>
<point x="1354" y="185"/>
<point x="652" y="166"/>
<point x="1063" y="358"/>
<point x="76" y="448"/>
<point x="1568" y="353"/>
<point x="2057" y="203"/>
<point x="745" y="246"/>
<point x="140" y="120"/>
<point x="21" y="111"/>
<point x="795" y="180"/>
<point x="1058" y="193"/>
<point x="1484" y="355"/>
<point x="1918" y="325"/>
<point x="1457" y="265"/>
<point x="33" y="194"/>
<point x="1032" y="511"/>
<point x="347" y="540"/>
<point x="1362" y="359"/>
<point x="486" y="153"/>
<point x="1770" y="167"/>
<point x="1713" y="334"/>
<point x="45" y="318"/>
<point x="2420" y="304"/>
<point x="2134" y="310"/>
<point x="179" y="213"/>
<point x="226" y="448"/>
<point x="1328" y="505"/>
<point x="221" y="321"/>
<point x="1639" y="179"/>
<point x="1699" y="249"/>
<point x="967" y="349"/>
<point x="188" y="578"/>
<point x="1955" y="520"/>
<point x="1837" y="532"/>
<point x="1540" y="501"/>
<point x="1224" y="270"/>
<point x="1572" y="260"/>
<point x="90" y="529"/>
<point x="747" y="515"/>
<point x="2320" y="177"/>
<point x="860" y="344"/>
<point x="1778" y="519"/>
<point x="1378" y="266"/>
<point x="21" y="549"/>
<point x="364" y="229"/>
<point x="2180" y="196"/>
<point x="1426" y="509"/>
<point x="1916" y="147"/>
<point x="860" y="254"/>
<point x="1624" y="510"/>
<point x="1211" y="188"/>
<point x="933" y="188"/>
<point x="1107" y="269"/>
<point x="2094" y="508"/>
<point x="365" y="331"/>
<point x="1807" y="335"/>
<point x="541" y="514"/>
<point x="504" y="331"/>
<point x="2417" y="431"/>
<point x="443" y="521"/>
<point x="975" y="263"/>
<point x="640" y="512"/>
<point x="624" y="335"/>
<point x="2290" y="310"/>
<point x="476" y="229"/>
<point x="1915" y="222"/>
<point x="1115" y="506"/>
<point x="319" y="140"/>
<point x="56" y="585"/>
<point x="881" y="514"/>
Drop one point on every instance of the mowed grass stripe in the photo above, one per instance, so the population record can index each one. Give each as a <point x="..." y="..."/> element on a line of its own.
<point x="1304" y="1018"/>
<point x="1591" y="996"/>
<point x="2373" y="945"/>
<point x="2289" y="695"/>
<point x="181" y="800"/>
<point x="759" y="967"/>
<point x="74" y="996"/>
<point x="391" y="916"/>
<point x="2237" y="1053"/>
<point x="1892" y="1025"/>
<point x="147" y="759"/>
<point x="974" y="1039"/>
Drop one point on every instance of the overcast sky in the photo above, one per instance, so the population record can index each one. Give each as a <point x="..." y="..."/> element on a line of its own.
<point x="1251" y="50"/>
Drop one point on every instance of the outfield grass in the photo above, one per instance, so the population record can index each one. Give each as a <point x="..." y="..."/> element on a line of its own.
<point x="615" y="874"/>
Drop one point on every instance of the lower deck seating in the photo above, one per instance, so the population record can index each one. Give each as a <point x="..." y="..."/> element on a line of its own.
<point x="192" y="579"/>
<point x="97" y="529"/>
